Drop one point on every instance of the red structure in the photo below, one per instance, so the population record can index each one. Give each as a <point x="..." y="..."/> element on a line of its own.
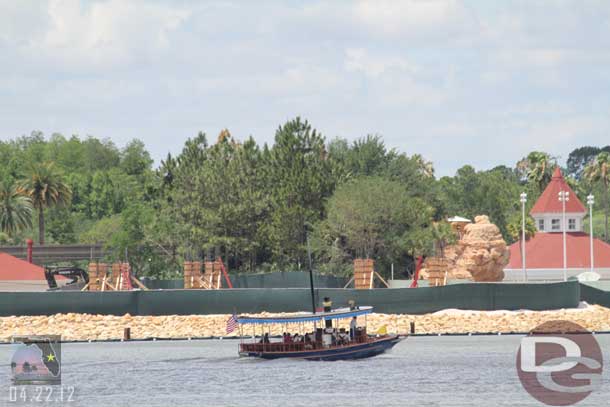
<point x="19" y="275"/>
<point x="420" y="261"/>
<point x="224" y="273"/>
<point x="30" y="249"/>
<point x="548" y="202"/>
<point x="544" y="252"/>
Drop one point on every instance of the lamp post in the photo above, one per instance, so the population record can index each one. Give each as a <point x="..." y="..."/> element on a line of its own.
<point x="564" y="196"/>
<point x="523" y="199"/>
<point x="590" y="202"/>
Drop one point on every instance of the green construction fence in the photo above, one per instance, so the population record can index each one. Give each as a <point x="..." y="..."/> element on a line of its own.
<point x="474" y="296"/>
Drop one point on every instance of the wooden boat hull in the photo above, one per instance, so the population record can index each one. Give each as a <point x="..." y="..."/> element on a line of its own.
<point x="356" y="351"/>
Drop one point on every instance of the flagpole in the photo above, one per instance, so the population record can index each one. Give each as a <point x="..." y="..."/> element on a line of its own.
<point x="313" y="301"/>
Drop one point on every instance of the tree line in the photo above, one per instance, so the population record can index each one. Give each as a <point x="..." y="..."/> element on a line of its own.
<point x="263" y="207"/>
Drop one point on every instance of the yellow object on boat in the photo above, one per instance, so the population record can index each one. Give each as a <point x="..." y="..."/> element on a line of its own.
<point x="383" y="330"/>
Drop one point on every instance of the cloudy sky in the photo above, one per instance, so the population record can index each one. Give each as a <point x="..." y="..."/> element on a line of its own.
<point x="472" y="82"/>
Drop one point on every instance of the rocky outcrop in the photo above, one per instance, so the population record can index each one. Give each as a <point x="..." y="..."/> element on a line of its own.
<point x="480" y="255"/>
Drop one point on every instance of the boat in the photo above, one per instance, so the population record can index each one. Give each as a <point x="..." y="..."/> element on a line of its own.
<point x="328" y="343"/>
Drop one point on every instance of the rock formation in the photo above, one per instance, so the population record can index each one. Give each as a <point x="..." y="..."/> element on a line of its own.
<point x="480" y="255"/>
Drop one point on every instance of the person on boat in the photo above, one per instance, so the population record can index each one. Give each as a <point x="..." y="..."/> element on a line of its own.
<point x="297" y="338"/>
<point x="265" y="338"/>
<point x="352" y="328"/>
<point x="343" y="338"/>
<point x="308" y="342"/>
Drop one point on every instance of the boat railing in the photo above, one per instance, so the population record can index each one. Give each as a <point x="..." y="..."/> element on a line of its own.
<point x="360" y="337"/>
<point x="276" y="347"/>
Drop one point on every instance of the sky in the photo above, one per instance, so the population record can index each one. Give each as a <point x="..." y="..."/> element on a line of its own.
<point x="460" y="82"/>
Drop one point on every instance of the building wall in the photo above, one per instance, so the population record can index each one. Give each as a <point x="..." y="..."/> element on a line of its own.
<point x="23" y="285"/>
<point x="548" y="217"/>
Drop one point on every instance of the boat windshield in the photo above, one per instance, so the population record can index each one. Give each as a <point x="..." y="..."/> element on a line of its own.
<point x="341" y="313"/>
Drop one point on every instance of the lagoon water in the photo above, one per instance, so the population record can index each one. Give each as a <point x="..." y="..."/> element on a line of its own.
<point x="420" y="371"/>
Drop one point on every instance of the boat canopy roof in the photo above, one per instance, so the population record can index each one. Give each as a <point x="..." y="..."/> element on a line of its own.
<point x="340" y="313"/>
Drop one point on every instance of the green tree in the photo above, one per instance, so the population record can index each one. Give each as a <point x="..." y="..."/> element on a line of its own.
<point x="537" y="168"/>
<point x="130" y="242"/>
<point x="598" y="171"/>
<point x="135" y="160"/>
<point x="61" y="225"/>
<point x="372" y="217"/>
<point x="369" y="156"/>
<point x="100" y="154"/>
<point x="515" y="225"/>
<point x="299" y="180"/>
<point x="442" y="236"/>
<point x="580" y="158"/>
<point x="470" y="193"/>
<point x="15" y="209"/>
<point x="46" y="188"/>
<point x="167" y="172"/>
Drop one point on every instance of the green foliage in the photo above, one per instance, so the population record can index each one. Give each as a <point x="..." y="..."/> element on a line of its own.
<point x="580" y="158"/>
<point x="257" y="205"/>
<point x="537" y="169"/>
<point x="135" y="160"/>
<point x="515" y="226"/>
<point x="15" y="209"/>
<point x="102" y="230"/>
<point x="61" y="225"/>
<point x="470" y="193"/>
<point x="299" y="181"/>
<point x="371" y="217"/>
<point x="45" y="188"/>
<point x="598" y="172"/>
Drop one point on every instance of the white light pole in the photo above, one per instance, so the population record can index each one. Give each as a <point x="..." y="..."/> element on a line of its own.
<point x="564" y="196"/>
<point x="523" y="199"/>
<point x="590" y="202"/>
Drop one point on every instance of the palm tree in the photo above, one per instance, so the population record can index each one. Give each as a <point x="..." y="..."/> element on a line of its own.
<point x="45" y="187"/>
<point x="425" y="167"/>
<point x="599" y="171"/>
<point x="442" y="236"/>
<point x="540" y="169"/>
<point x="15" y="209"/>
<point x="514" y="229"/>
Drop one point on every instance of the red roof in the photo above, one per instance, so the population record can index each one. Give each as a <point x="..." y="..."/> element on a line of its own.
<point x="14" y="269"/>
<point x="549" y="200"/>
<point x="545" y="251"/>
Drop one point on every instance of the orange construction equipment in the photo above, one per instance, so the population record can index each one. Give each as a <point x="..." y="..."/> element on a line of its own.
<point x="420" y="261"/>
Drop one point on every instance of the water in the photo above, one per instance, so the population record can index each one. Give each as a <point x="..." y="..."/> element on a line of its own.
<point x="422" y="371"/>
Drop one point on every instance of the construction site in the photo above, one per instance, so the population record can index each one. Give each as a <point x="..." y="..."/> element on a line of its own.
<point x="477" y="271"/>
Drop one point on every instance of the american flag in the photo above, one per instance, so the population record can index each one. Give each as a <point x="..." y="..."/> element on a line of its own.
<point x="231" y="323"/>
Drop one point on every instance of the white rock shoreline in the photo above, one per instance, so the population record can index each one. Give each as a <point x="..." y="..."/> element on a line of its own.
<point x="87" y="327"/>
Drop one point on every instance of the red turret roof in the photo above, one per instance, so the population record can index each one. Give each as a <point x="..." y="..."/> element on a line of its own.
<point x="549" y="200"/>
